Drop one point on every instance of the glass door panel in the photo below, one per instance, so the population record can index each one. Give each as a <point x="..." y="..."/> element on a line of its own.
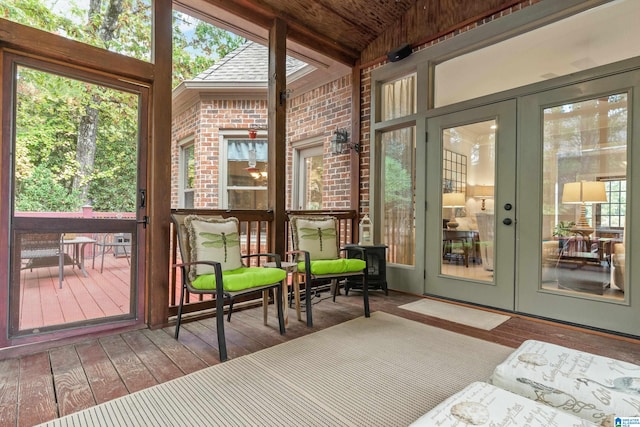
<point x="468" y="181"/>
<point x="584" y="195"/>
<point x="473" y="228"/>
<point x="576" y="150"/>
<point x="75" y="199"/>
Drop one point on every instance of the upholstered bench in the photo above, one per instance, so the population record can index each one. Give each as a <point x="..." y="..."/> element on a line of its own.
<point x="482" y="404"/>
<point x="589" y="386"/>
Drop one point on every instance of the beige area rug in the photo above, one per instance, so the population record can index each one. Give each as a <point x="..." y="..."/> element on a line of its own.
<point x="378" y="371"/>
<point x="456" y="313"/>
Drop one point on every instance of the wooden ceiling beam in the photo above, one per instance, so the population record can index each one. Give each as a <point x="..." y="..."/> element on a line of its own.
<point x="263" y="15"/>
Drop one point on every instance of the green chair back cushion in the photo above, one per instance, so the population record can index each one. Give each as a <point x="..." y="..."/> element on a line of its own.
<point x="317" y="235"/>
<point x="213" y="239"/>
<point x="334" y="266"/>
<point x="241" y="278"/>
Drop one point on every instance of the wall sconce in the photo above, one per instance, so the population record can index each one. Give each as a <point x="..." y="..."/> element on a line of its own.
<point x="340" y="142"/>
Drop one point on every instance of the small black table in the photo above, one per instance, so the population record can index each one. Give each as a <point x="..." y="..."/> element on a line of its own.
<point x="377" y="264"/>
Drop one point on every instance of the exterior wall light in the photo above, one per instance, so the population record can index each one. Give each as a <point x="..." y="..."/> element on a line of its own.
<point x="340" y="142"/>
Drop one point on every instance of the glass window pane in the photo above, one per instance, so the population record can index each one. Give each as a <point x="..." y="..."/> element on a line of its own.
<point x="399" y="98"/>
<point x="64" y="161"/>
<point x="246" y="174"/>
<point x="398" y="183"/>
<point x="468" y="187"/>
<point x="313" y="184"/>
<point x="125" y="30"/>
<point x="585" y="153"/>
<point x="577" y="43"/>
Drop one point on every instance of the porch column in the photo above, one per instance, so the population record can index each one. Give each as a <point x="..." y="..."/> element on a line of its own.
<point x="277" y="132"/>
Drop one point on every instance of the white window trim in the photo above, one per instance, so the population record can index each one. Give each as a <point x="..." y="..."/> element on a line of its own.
<point x="301" y="148"/>
<point x="182" y="146"/>
<point x="224" y="135"/>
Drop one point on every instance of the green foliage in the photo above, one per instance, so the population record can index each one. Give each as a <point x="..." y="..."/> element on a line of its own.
<point x="61" y="165"/>
<point x="42" y="192"/>
<point x="563" y="229"/>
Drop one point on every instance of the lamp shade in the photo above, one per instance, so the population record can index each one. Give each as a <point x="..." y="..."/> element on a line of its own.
<point x="453" y="200"/>
<point x="483" y="191"/>
<point x="584" y="192"/>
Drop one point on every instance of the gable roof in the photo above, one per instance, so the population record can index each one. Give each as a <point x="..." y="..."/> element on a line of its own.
<point x="248" y="63"/>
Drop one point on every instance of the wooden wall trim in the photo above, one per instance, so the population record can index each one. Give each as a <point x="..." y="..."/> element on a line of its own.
<point x="36" y="42"/>
<point x="277" y="113"/>
<point x="159" y="172"/>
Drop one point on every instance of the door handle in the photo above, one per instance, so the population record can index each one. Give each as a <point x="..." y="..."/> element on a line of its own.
<point x="507" y="221"/>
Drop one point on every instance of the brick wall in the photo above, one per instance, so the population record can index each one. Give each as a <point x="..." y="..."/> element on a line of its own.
<point x="315" y="113"/>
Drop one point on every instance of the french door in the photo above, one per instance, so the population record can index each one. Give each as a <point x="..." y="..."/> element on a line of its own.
<point x="76" y="192"/>
<point x="471" y="208"/>
<point x="576" y="181"/>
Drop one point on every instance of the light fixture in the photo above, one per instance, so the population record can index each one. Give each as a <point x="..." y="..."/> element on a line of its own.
<point x="453" y="201"/>
<point x="483" y="192"/>
<point x="340" y="142"/>
<point x="581" y="193"/>
<point x="252" y="162"/>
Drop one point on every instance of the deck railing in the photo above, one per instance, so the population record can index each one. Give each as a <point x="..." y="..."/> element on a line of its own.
<point x="255" y="237"/>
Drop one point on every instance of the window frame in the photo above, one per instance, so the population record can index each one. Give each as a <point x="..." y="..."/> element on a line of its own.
<point x="223" y="177"/>
<point x="185" y="145"/>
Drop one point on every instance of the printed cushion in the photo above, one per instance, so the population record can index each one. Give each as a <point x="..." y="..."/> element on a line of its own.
<point x="334" y="266"/>
<point x="213" y="239"/>
<point x="592" y="387"/>
<point x="482" y="404"/>
<point x="241" y="278"/>
<point x="316" y="235"/>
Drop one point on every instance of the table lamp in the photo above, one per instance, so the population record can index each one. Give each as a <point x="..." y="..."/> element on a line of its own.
<point x="583" y="192"/>
<point x="453" y="201"/>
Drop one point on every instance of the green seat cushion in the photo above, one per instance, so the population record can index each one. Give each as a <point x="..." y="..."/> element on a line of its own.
<point x="334" y="266"/>
<point x="241" y="278"/>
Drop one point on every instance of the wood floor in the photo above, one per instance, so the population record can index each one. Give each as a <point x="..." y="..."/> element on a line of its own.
<point x="42" y="386"/>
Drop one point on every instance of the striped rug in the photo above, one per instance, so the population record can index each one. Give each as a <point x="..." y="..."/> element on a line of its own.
<point x="380" y="371"/>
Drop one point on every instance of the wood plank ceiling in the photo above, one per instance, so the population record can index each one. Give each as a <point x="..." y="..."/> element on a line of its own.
<point x="352" y="30"/>
<point x="340" y="29"/>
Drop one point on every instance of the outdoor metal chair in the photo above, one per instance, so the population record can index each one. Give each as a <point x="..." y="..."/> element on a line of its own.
<point x="212" y="263"/>
<point x="44" y="250"/>
<point x="117" y="242"/>
<point x="317" y="253"/>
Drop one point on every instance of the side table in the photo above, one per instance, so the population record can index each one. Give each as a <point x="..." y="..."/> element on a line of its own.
<point x="377" y="267"/>
<point x="289" y="267"/>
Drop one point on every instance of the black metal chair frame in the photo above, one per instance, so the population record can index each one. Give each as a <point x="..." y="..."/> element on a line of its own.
<point x="220" y="294"/>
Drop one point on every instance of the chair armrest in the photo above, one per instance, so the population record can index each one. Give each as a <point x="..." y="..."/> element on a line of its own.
<point x="307" y="258"/>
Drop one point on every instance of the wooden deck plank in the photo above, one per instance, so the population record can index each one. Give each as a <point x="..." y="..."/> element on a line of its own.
<point x="36" y="396"/>
<point x="106" y="384"/>
<point x="120" y="364"/>
<point x="71" y="384"/>
<point x="196" y="345"/>
<point x="179" y="354"/>
<point x="134" y="374"/>
<point x="161" y="367"/>
<point x="9" y="375"/>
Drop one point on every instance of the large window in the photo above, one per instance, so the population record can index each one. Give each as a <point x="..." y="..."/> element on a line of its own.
<point x="614" y="210"/>
<point x="187" y="175"/>
<point x="398" y="203"/>
<point x="598" y="36"/>
<point x="310" y="183"/>
<point x="246" y="174"/>
<point x="125" y="30"/>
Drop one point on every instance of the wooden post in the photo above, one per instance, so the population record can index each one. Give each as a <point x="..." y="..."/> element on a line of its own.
<point x="277" y="101"/>
<point x="159" y="172"/>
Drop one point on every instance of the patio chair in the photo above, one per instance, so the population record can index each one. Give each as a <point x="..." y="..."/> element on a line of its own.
<point x="44" y="250"/>
<point x="117" y="242"/>
<point x="316" y="251"/>
<point x="212" y="264"/>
